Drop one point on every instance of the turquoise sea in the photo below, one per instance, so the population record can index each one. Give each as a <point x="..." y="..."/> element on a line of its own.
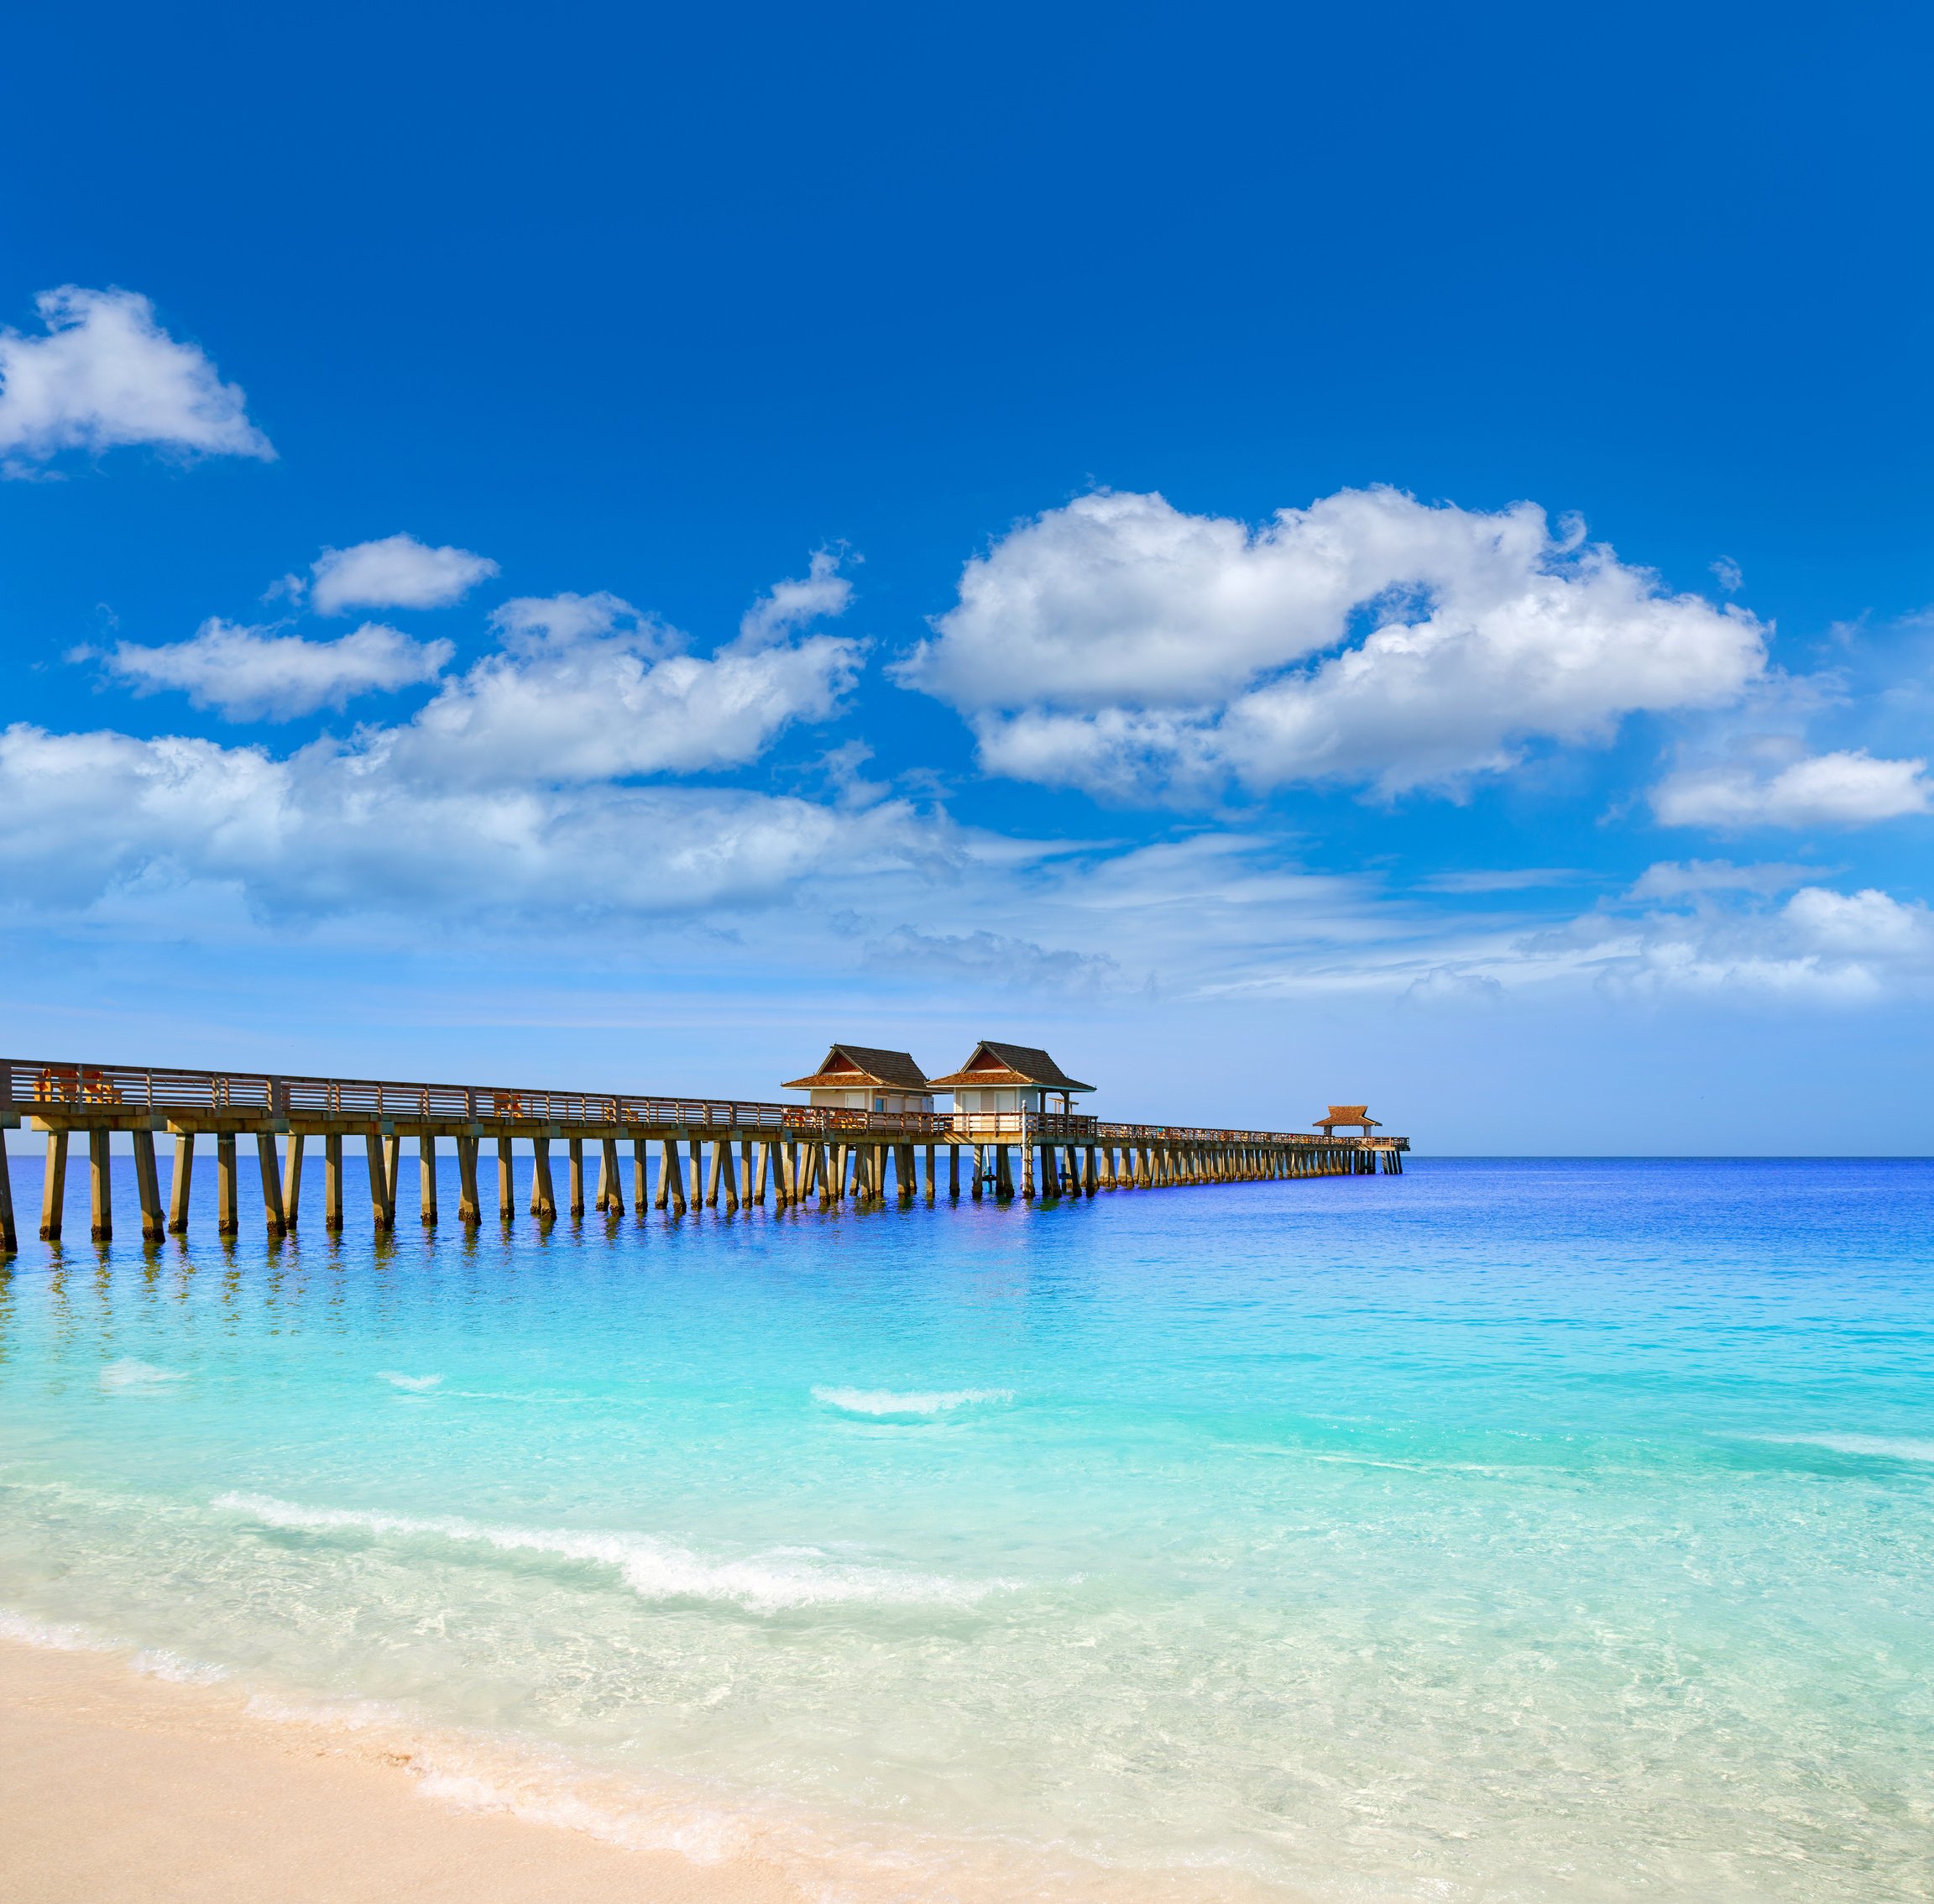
<point x="1513" y="1530"/>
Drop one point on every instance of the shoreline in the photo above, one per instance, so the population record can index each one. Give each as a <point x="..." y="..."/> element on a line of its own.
<point x="121" y="1784"/>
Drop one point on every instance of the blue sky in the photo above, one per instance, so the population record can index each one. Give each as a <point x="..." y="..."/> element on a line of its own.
<point x="1285" y="555"/>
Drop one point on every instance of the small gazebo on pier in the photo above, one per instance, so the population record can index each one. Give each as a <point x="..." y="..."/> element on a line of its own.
<point x="863" y="1077"/>
<point x="1008" y="1081"/>
<point x="1353" y="1116"/>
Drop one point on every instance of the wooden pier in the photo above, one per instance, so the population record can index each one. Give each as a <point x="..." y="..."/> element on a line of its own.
<point x="712" y="1152"/>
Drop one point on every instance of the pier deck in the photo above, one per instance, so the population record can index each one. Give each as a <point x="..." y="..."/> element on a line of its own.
<point x="799" y="1152"/>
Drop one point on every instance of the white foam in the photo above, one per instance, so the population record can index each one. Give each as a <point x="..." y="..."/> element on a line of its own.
<point x="1894" y="1447"/>
<point x="158" y="1662"/>
<point x="415" y="1384"/>
<point x="130" y="1373"/>
<point x="889" y="1401"/>
<point x="49" y="1636"/>
<point x="653" y="1569"/>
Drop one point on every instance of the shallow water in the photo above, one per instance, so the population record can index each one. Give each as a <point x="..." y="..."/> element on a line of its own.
<point x="1505" y="1530"/>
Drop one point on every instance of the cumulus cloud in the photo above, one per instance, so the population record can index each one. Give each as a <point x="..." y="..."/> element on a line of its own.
<point x="106" y="374"/>
<point x="333" y="829"/>
<point x="586" y="688"/>
<point x="1846" y="788"/>
<point x="257" y="674"/>
<point x="506" y="787"/>
<point x="821" y="593"/>
<point x="1123" y="645"/>
<point x="1726" y="939"/>
<point x="396" y="571"/>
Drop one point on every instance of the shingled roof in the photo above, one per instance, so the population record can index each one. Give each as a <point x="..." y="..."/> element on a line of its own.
<point x="863" y="1065"/>
<point x="996" y="1064"/>
<point x="1349" y="1114"/>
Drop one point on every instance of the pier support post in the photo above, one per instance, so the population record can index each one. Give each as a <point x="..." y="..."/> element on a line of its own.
<point x="147" y="1188"/>
<point x="764" y="1171"/>
<point x="1027" y="1173"/>
<point x="577" y="1156"/>
<point x="333" y="1182"/>
<point x="907" y="1171"/>
<point x="227" y="1202"/>
<point x="543" y="1198"/>
<point x="54" y="1187"/>
<point x="745" y="1169"/>
<point x="1091" y="1177"/>
<point x="506" y="1183"/>
<point x="933" y="1182"/>
<point x="292" y="1181"/>
<point x="99" y="1186"/>
<point x="382" y="1210"/>
<point x="821" y="1177"/>
<point x="670" y="1182"/>
<point x="181" y="1183"/>
<point x="469" y="1205"/>
<point x="392" y="1170"/>
<point x="426" y="1178"/>
<point x="270" y="1165"/>
<point x="979" y="1171"/>
<point x="640" y="1175"/>
<point x="723" y="1164"/>
<point x="9" y="1236"/>
<point x="953" y="1173"/>
<point x="610" y="1183"/>
<point x="715" y="1181"/>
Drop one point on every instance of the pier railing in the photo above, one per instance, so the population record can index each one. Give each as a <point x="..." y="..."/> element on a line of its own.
<point x="801" y="1151"/>
<point x="118" y="1095"/>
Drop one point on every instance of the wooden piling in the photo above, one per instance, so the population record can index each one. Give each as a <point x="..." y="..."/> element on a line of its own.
<point x="608" y="1198"/>
<point x="270" y="1165"/>
<point x="640" y="1175"/>
<point x="728" y="1175"/>
<point x="147" y="1188"/>
<point x="333" y="1182"/>
<point x="292" y="1181"/>
<point x="9" y="1236"/>
<point x="100" y="1186"/>
<point x="228" y="1208"/>
<point x="543" y="1198"/>
<point x="392" y="1170"/>
<point x="382" y="1210"/>
<point x="54" y="1187"/>
<point x="670" y="1183"/>
<point x="715" y="1181"/>
<point x="764" y="1171"/>
<point x="576" y="1154"/>
<point x="181" y="1183"/>
<point x="469" y="1205"/>
<point x="427" y="1180"/>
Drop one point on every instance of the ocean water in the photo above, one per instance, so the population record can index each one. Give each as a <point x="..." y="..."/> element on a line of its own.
<point x="1509" y="1530"/>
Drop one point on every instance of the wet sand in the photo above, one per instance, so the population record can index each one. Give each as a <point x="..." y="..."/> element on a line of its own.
<point x="118" y="1788"/>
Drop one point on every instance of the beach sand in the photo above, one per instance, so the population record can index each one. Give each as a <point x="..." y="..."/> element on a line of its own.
<point x="117" y="1786"/>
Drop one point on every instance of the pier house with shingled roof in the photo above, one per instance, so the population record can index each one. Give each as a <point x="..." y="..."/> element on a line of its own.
<point x="864" y="1077"/>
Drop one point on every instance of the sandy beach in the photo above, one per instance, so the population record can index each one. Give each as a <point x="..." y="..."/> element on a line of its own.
<point x="118" y="1786"/>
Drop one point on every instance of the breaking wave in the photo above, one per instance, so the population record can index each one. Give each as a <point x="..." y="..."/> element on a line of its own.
<point x="775" y="1581"/>
<point x="1892" y="1447"/>
<point x="415" y="1383"/>
<point x="889" y="1401"/>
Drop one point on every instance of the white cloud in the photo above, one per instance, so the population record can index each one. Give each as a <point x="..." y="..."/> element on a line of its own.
<point x="107" y="375"/>
<point x="587" y="689"/>
<point x="1122" y="645"/>
<point x="396" y="571"/>
<point x="791" y="605"/>
<point x="333" y="830"/>
<point x="1847" y="788"/>
<point x="504" y="790"/>
<point x="255" y="674"/>
<point x="1671" y="879"/>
